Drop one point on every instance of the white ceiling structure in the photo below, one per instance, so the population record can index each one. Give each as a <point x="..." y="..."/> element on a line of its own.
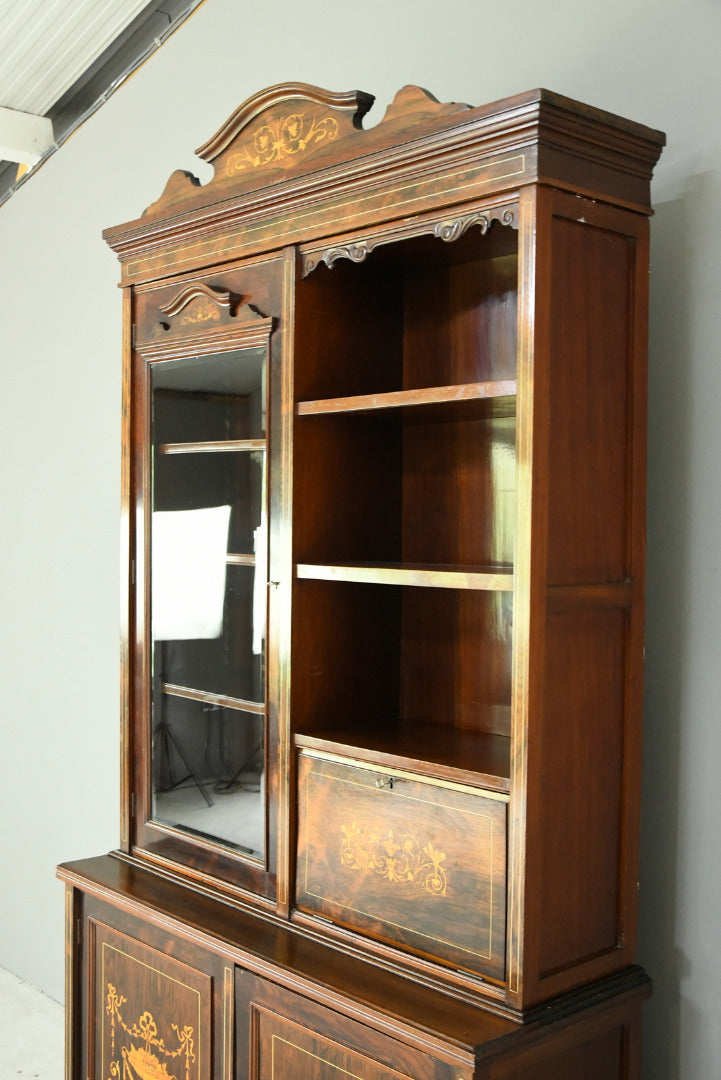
<point x="59" y="60"/>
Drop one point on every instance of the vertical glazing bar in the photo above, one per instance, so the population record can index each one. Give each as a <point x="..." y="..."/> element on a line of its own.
<point x="126" y="583"/>
<point x="529" y="558"/>
<point x="282" y="578"/>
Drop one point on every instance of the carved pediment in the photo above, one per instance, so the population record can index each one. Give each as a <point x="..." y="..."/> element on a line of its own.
<point x="198" y="304"/>
<point x="207" y="316"/>
<point x="281" y="123"/>
<point x="291" y="129"/>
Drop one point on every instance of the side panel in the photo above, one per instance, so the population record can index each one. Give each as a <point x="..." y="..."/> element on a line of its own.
<point x="590" y="400"/>
<point x="582" y="779"/>
<point x="584" y="726"/>
<point x="603" y="1046"/>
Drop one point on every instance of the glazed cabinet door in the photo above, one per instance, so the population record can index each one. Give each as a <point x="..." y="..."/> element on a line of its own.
<point x="281" y="1035"/>
<point x="201" y="465"/>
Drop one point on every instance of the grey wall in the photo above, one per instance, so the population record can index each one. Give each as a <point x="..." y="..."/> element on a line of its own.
<point x="656" y="61"/>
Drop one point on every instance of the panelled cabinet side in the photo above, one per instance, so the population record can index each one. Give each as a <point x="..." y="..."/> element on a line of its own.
<point x="581" y="749"/>
<point x="382" y="620"/>
<point x="595" y="592"/>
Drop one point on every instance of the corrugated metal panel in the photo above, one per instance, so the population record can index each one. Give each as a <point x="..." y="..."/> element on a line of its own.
<point x="46" y="45"/>
<point x="62" y="58"/>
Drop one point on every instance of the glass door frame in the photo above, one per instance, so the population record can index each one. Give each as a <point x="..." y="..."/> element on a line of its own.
<point x="148" y="839"/>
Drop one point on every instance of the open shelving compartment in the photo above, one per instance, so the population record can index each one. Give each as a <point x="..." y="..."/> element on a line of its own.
<point x="404" y="506"/>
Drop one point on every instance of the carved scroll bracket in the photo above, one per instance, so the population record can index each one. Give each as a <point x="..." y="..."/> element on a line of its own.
<point x="448" y="230"/>
<point x="453" y="228"/>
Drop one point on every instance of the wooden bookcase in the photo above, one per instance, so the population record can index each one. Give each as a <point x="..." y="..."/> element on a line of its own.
<point x="383" y="484"/>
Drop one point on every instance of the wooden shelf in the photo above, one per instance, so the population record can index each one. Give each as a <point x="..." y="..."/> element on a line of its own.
<point x="485" y="398"/>
<point x="462" y="756"/>
<point x="208" y="698"/>
<point x="487" y="579"/>
<point x="215" y="446"/>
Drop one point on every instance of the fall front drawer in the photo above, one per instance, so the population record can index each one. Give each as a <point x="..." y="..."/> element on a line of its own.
<point x="406" y="860"/>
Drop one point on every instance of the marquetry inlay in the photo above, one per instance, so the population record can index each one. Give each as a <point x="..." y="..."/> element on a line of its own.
<point x="282" y="138"/>
<point x="147" y="1056"/>
<point x="400" y="858"/>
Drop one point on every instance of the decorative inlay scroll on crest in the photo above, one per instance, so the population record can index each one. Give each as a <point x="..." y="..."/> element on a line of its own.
<point x="144" y="1054"/>
<point x="282" y="138"/>
<point x="399" y="859"/>
<point x="351" y="107"/>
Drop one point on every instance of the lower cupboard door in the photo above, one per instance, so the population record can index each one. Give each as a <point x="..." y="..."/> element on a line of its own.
<point x="284" y="1036"/>
<point x="407" y="861"/>
<point x="152" y="1012"/>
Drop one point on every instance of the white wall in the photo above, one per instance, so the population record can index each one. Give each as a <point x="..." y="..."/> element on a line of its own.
<point x="656" y="61"/>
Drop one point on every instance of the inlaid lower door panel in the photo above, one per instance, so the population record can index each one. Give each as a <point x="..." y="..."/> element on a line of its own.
<point x="411" y="862"/>
<point x="282" y="1035"/>
<point x="152" y="1012"/>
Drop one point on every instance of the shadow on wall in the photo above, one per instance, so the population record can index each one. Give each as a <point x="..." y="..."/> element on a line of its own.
<point x="669" y="465"/>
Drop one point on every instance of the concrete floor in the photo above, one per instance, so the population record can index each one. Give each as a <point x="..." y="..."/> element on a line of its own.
<point x="31" y="1032"/>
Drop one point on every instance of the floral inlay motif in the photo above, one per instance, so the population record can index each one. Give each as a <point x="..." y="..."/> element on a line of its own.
<point x="201" y="312"/>
<point x="144" y="1060"/>
<point x="399" y="858"/>
<point x="281" y="139"/>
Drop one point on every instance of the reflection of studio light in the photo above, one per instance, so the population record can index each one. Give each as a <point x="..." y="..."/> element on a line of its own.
<point x="260" y="545"/>
<point x="188" y="572"/>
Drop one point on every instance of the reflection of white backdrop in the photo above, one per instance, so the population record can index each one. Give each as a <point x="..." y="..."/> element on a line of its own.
<point x="188" y="572"/>
<point x="260" y="547"/>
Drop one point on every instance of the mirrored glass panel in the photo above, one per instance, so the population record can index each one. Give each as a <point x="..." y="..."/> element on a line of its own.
<point x="208" y="596"/>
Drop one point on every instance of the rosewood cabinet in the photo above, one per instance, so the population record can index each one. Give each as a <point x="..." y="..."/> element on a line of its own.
<point x="383" y="517"/>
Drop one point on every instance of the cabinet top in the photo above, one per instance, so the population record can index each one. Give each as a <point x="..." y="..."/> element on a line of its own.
<point x="296" y="145"/>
